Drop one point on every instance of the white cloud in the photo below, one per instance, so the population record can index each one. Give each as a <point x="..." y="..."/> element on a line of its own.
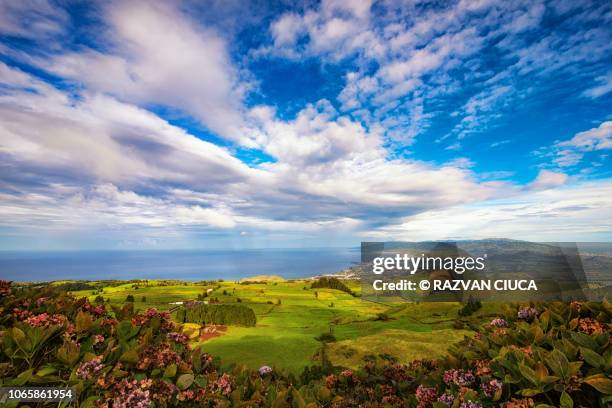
<point x="158" y="55"/>
<point x="598" y="138"/>
<point x="105" y="205"/>
<point x="101" y="138"/>
<point x="32" y="19"/>
<point x="571" y="152"/>
<point x="335" y="29"/>
<point x="604" y="86"/>
<point x="580" y="212"/>
<point x="329" y="170"/>
<point x="548" y="179"/>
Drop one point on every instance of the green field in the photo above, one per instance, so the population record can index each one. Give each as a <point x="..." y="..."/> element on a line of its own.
<point x="284" y="336"/>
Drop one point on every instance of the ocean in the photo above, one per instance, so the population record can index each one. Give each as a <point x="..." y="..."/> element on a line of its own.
<point x="193" y="265"/>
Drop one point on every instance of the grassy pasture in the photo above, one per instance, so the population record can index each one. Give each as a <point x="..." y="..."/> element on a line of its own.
<point x="285" y="333"/>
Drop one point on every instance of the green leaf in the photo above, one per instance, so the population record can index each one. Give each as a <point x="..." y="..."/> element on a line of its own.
<point x="170" y="371"/>
<point x="544" y="406"/>
<point x="23" y="378"/>
<point x="126" y="331"/>
<point x="69" y="353"/>
<point x="201" y="381"/>
<point x="83" y="321"/>
<point x="130" y="356"/>
<point x="529" y="374"/>
<point x="592" y="357"/>
<point x="530" y="392"/>
<point x="90" y="402"/>
<point x="46" y="370"/>
<point x="184" y="381"/>
<point x="544" y="320"/>
<point x="17" y="334"/>
<point x="566" y="401"/>
<point x="600" y="383"/>
<point x="196" y="358"/>
<point x="574" y="367"/>
<point x="584" y="340"/>
<point x="558" y="363"/>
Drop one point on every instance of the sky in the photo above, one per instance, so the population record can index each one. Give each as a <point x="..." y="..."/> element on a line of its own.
<point x="260" y="124"/>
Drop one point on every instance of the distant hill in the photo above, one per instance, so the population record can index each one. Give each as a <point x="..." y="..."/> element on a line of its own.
<point x="263" y="278"/>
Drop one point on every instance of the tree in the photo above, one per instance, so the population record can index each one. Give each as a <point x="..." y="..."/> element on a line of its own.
<point x="130" y="298"/>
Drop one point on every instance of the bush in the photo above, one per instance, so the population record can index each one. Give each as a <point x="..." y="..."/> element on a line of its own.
<point x="326" y="338"/>
<point x="383" y="317"/>
<point x="470" y="307"/>
<point x="130" y="298"/>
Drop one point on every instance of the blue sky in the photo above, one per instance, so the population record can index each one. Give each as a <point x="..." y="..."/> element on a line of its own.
<point x="128" y="124"/>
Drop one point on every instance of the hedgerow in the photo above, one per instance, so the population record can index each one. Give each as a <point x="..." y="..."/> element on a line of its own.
<point x="538" y="356"/>
<point x="239" y="315"/>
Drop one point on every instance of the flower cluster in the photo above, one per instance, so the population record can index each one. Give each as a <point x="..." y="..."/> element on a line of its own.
<point x="163" y="391"/>
<point x="5" y="287"/>
<point x="499" y="322"/>
<point x="98" y="338"/>
<point x="265" y="370"/>
<point x="159" y="357"/>
<point x="425" y="395"/>
<point x="447" y="399"/>
<point x="224" y="384"/>
<point x="178" y="338"/>
<point x="427" y="365"/>
<point x="398" y="372"/>
<point x="459" y="377"/>
<point x="592" y="326"/>
<point x="97" y="310"/>
<point x="90" y="368"/>
<point x="347" y="373"/>
<point x="527" y="313"/>
<point x="150" y="314"/>
<point x="330" y="381"/>
<point x="132" y="394"/>
<point x="21" y="310"/>
<point x="483" y="367"/>
<point x="41" y="301"/>
<point x="45" y="320"/>
<point x="490" y="388"/>
<point x="470" y="404"/>
<point x="519" y="403"/>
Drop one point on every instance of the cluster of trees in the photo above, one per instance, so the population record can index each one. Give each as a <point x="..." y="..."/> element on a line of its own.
<point x="331" y="283"/>
<point x="76" y="286"/>
<point x="239" y="315"/>
<point x="470" y="307"/>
